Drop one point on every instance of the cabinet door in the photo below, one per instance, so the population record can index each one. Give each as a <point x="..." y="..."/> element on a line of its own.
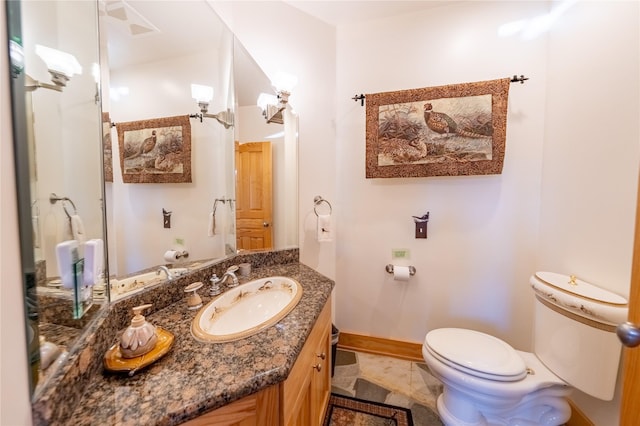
<point x="321" y="380"/>
<point x="259" y="409"/>
<point x="305" y="393"/>
<point x="303" y="415"/>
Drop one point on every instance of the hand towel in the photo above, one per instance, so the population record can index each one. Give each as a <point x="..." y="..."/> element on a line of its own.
<point x="211" y="228"/>
<point x="77" y="228"/>
<point x="231" y="220"/>
<point x="35" y="223"/>
<point x="324" y="228"/>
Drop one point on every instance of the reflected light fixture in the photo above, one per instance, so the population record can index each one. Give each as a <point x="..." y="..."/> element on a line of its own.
<point x="203" y="95"/>
<point x="272" y="105"/>
<point x="16" y="54"/>
<point x="95" y="71"/>
<point x="61" y="65"/>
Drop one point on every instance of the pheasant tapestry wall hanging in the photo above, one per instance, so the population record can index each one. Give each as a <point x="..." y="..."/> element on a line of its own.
<point x="459" y="129"/>
<point x="107" y="148"/>
<point x="156" y="150"/>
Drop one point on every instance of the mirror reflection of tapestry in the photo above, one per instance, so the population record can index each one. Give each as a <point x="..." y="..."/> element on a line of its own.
<point x="107" y="148"/>
<point x="155" y="151"/>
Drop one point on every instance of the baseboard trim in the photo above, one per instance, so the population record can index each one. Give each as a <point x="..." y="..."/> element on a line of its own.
<point x="413" y="352"/>
<point x="578" y="418"/>
<point x="380" y="346"/>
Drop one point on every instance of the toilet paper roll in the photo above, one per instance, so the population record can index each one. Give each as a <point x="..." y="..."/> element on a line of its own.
<point x="401" y="273"/>
<point x="171" y="256"/>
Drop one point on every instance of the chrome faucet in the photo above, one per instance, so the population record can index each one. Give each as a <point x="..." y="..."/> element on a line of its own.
<point x="216" y="282"/>
<point x="166" y="271"/>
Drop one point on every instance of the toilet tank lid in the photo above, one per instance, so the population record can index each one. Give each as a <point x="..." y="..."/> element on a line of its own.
<point x="577" y="287"/>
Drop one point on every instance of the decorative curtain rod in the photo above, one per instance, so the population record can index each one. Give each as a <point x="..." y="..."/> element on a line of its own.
<point x="515" y="79"/>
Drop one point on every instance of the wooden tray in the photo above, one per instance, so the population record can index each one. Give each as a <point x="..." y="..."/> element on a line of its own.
<point x="113" y="360"/>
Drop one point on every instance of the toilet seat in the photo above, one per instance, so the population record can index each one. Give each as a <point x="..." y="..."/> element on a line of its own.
<point x="475" y="353"/>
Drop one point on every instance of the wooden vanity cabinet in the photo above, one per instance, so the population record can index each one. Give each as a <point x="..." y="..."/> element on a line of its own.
<point x="301" y="400"/>
<point x="258" y="409"/>
<point x="305" y="394"/>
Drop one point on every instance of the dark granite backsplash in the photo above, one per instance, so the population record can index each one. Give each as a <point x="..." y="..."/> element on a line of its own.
<point x="82" y="383"/>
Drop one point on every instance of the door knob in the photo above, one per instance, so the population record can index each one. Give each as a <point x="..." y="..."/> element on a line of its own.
<point x="265" y="224"/>
<point x="629" y="334"/>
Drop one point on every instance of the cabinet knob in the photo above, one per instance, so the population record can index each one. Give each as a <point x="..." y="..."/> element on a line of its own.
<point x="322" y="355"/>
<point x="318" y="367"/>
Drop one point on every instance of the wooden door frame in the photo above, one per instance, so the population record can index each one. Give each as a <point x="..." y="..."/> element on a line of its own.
<point x="630" y="414"/>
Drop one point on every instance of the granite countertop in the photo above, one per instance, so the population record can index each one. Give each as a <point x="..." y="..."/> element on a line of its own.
<point x="195" y="377"/>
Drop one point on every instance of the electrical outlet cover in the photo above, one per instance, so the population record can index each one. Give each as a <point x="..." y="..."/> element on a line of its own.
<point x="400" y="253"/>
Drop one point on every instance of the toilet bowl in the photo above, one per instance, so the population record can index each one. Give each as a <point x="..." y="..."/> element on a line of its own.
<point x="486" y="382"/>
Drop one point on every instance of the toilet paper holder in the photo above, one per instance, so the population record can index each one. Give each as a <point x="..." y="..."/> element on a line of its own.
<point x="389" y="268"/>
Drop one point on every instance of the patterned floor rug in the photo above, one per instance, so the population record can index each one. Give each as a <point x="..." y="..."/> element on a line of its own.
<point x="347" y="411"/>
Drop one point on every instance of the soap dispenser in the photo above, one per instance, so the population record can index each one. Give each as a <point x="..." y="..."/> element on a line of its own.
<point x="140" y="337"/>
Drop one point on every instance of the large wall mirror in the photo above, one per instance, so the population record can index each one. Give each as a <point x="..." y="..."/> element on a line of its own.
<point x="156" y="50"/>
<point x="149" y="54"/>
<point x="57" y="120"/>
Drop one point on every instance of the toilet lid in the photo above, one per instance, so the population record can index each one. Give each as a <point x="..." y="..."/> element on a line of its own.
<point x="476" y="353"/>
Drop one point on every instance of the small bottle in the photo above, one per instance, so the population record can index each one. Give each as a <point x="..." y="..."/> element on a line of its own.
<point x="140" y="337"/>
<point x="48" y="352"/>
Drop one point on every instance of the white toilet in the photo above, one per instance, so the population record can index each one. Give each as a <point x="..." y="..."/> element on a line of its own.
<point x="487" y="382"/>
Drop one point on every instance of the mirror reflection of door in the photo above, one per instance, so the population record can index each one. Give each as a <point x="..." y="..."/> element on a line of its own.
<point x="254" y="215"/>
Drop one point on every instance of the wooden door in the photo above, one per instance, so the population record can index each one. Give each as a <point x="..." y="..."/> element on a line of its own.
<point x="254" y="196"/>
<point x="629" y="410"/>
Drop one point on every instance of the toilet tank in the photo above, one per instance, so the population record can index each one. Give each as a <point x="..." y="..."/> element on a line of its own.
<point x="575" y="332"/>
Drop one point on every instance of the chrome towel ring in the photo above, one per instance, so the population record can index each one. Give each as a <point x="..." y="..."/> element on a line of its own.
<point x="53" y="198"/>
<point x="317" y="201"/>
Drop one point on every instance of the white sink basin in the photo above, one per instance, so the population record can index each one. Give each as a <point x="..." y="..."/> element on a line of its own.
<point x="134" y="283"/>
<point x="246" y="310"/>
<point x="125" y="285"/>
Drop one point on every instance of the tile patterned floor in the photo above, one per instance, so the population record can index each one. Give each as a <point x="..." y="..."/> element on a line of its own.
<point x="389" y="380"/>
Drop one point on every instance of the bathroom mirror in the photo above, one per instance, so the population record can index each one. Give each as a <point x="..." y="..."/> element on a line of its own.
<point x="150" y="74"/>
<point x="52" y="167"/>
<point x="56" y="108"/>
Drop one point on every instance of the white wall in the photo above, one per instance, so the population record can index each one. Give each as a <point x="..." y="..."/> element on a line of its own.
<point x="139" y="239"/>
<point x="15" y="404"/>
<point x="473" y="269"/>
<point x="590" y="163"/>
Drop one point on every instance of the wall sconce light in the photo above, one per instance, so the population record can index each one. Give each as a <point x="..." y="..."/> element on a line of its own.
<point x="203" y="95"/>
<point x="272" y="105"/>
<point x="61" y="65"/>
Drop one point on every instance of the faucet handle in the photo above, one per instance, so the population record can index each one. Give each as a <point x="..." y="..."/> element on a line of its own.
<point x="215" y="286"/>
<point x="231" y="270"/>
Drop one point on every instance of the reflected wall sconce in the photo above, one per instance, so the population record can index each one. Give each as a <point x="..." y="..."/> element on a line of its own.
<point x="61" y="65"/>
<point x="95" y="71"/>
<point x="203" y="95"/>
<point x="273" y="105"/>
